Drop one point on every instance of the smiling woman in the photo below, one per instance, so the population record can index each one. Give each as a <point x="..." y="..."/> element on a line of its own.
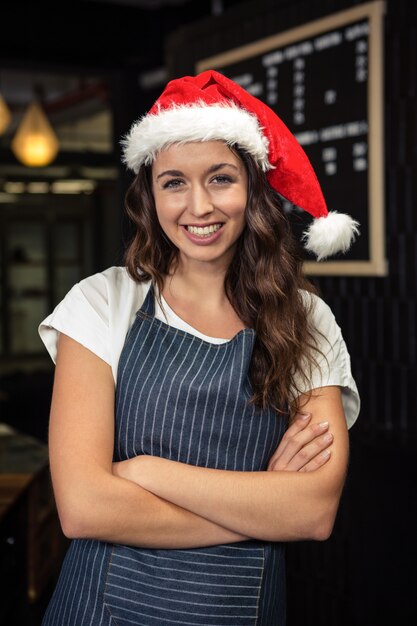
<point x="180" y="460"/>
<point x="201" y="203"/>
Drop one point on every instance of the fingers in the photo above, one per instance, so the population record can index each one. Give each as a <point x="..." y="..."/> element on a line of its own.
<point x="301" y="445"/>
<point x="300" y="422"/>
<point x="306" y="456"/>
<point x="301" y="433"/>
<point x="317" y="461"/>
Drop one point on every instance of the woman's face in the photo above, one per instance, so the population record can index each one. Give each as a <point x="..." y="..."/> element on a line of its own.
<point x="200" y="192"/>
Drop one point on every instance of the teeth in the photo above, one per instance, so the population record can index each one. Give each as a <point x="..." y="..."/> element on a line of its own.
<point x="204" y="232"/>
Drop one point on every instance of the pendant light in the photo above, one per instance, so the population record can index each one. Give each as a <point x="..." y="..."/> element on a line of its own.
<point x="5" y="115"/>
<point x="35" y="143"/>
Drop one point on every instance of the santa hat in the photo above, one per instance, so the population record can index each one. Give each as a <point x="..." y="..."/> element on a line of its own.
<point x="210" y="107"/>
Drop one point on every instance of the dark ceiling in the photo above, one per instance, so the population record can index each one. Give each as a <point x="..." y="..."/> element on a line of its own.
<point x="95" y="33"/>
<point x="71" y="53"/>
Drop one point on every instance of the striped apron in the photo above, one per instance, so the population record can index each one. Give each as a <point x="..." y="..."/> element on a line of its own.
<point x="182" y="398"/>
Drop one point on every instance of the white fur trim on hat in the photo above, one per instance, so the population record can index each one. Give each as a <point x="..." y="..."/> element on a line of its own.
<point x="196" y="122"/>
<point x="330" y="234"/>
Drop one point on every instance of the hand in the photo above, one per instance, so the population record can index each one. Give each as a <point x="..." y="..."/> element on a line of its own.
<point x="303" y="448"/>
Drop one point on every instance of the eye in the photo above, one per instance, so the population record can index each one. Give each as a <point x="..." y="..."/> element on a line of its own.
<point x="172" y="183"/>
<point x="222" y="179"/>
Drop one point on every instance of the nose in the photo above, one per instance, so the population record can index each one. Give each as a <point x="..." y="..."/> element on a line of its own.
<point x="200" y="201"/>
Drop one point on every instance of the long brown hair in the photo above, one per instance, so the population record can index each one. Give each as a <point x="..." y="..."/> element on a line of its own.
<point x="264" y="283"/>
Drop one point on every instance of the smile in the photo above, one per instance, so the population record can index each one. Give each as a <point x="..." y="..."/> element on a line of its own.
<point x="204" y="231"/>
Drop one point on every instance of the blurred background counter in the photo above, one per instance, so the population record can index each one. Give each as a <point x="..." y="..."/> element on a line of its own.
<point x="31" y="541"/>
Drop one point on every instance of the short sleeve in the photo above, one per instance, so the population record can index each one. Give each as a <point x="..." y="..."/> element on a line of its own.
<point x="82" y="319"/>
<point x="98" y="313"/>
<point x="333" y="360"/>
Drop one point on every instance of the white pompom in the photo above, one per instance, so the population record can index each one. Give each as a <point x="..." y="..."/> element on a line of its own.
<point x="329" y="235"/>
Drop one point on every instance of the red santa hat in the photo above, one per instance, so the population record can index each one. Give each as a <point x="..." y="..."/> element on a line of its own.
<point x="210" y="107"/>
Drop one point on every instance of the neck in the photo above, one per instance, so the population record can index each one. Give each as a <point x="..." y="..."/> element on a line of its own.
<point x="197" y="281"/>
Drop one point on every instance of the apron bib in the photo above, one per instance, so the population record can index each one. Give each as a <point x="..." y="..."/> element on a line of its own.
<point x="181" y="398"/>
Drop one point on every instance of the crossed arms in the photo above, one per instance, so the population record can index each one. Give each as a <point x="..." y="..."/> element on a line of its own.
<point x="157" y="503"/>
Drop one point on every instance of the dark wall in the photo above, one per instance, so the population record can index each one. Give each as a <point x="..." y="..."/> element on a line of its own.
<point x="365" y="575"/>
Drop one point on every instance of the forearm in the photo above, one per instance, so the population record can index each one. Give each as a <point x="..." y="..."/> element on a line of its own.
<point x="273" y="506"/>
<point x="109" y="508"/>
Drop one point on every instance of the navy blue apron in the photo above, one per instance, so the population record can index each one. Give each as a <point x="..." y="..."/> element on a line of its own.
<point x="181" y="398"/>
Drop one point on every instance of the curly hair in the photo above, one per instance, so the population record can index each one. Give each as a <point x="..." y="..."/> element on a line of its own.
<point x="264" y="283"/>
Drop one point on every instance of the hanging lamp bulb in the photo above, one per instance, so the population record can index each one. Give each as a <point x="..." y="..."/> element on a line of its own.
<point x="5" y="115"/>
<point x="35" y="143"/>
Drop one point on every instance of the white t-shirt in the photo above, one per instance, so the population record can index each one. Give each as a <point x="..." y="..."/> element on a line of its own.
<point x="99" y="310"/>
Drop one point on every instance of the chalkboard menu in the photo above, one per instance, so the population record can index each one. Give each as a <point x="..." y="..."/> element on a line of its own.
<point x="325" y="81"/>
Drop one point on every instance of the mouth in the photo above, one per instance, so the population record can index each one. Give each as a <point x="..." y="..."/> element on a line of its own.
<point x="203" y="231"/>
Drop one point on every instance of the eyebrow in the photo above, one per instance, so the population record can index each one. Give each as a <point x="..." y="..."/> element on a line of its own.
<point x="213" y="168"/>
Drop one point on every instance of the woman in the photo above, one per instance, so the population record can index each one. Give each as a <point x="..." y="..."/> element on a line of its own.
<point x="202" y="392"/>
